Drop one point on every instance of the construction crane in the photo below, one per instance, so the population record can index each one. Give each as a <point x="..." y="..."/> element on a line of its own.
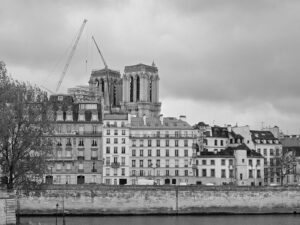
<point x="106" y="72"/>
<point x="70" y="56"/>
<point x="103" y="60"/>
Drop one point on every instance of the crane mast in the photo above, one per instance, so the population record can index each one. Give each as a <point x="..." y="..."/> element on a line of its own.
<point x="70" y="56"/>
<point x="103" y="60"/>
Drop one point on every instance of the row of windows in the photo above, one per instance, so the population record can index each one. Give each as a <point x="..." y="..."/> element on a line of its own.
<point x="116" y="132"/>
<point x="115" y="172"/>
<point x="115" y="160"/>
<point x="168" y="153"/>
<point x="152" y="164"/>
<point x="94" y="142"/>
<point x="116" y="150"/>
<point x="159" y="142"/>
<point x="81" y="129"/>
<point x="116" y="140"/>
<point x="166" y="134"/>
<point x="160" y="173"/>
<point x="271" y="152"/>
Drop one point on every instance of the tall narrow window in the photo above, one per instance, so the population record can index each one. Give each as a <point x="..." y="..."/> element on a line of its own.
<point x="137" y="88"/>
<point x="150" y="90"/>
<point x="131" y="89"/>
<point x="115" y="95"/>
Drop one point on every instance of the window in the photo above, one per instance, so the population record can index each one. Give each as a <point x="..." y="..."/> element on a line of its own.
<point x="115" y="140"/>
<point x="107" y="150"/>
<point x="69" y="142"/>
<point x="141" y="143"/>
<point x="277" y="152"/>
<point x="123" y="150"/>
<point x="158" y="163"/>
<point x="107" y="172"/>
<point x="133" y="143"/>
<point x="149" y="152"/>
<point x="81" y="143"/>
<point x="212" y="173"/>
<point x="167" y="153"/>
<point x="80" y="166"/>
<point x="271" y="162"/>
<point x="123" y="141"/>
<point x="115" y="150"/>
<point x="115" y="132"/>
<point x="271" y="151"/>
<point x="158" y="143"/>
<point x="243" y="160"/>
<point x="123" y="171"/>
<point x="107" y="161"/>
<point x="176" y="173"/>
<point x="167" y="173"/>
<point x="265" y="151"/>
<point x="133" y="163"/>
<point x="68" y="153"/>
<point x="59" y="153"/>
<point x="186" y="153"/>
<point x="212" y="162"/>
<point x="167" y="143"/>
<point x="141" y="163"/>
<point x="250" y="174"/>
<point x="141" y="152"/>
<point x="107" y="141"/>
<point x="133" y="152"/>
<point x="186" y="143"/>
<point x="186" y="163"/>
<point x="123" y="132"/>
<point x="230" y="162"/>
<point x="223" y="162"/>
<point x="176" y="152"/>
<point x="250" y="162"/>
<point x="221" y="143"/>
<point x="258" y="150"/>
<point x="176" y="163"/>
<point x="258" y="174"/>
<point x="167" y="163"/>
<point x="149" y="163"/>
<point x="94" y="142"/>
<point x="176" y="134"/>
<point x="186" y="173"/>
<point x="258" y="163"/>
<point x="223" y="173"/>
<point x="265" y="162"/>
<point x="149" y="143"/>
<point x="176" y="143"/>
<point x="157" y="134"/>
<point x="58" y="166"/>
<point x="231" y="173"/>
<point x="115" y="159"/>
<point x="216" y="142"/>
<point x="203" y="162"/>
<point x="203" y="172"/>
<point x="157" y="152"/>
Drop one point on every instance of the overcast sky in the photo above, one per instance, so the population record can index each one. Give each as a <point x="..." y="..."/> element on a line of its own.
<point x="221" y="62"/>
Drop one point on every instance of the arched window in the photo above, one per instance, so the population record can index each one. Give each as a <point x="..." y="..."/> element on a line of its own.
<point x="131" y="89"/>
<point x="150" y="90"/>
<point x="97" y="83"/>
<point x="102" y="85"/>
<point x="115" y="95"/>
<point x="137" y="88"/>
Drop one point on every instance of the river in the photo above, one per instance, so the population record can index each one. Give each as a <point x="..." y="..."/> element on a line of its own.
<point x="168" y="220"/>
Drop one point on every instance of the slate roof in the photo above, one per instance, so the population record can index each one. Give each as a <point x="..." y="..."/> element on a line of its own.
<point x="262" y="135"/>
<point x="115" y="116"/>
<point x="154" y="123"/>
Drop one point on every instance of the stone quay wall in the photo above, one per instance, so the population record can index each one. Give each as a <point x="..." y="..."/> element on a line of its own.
<point x="135" y="200"/>
<point x="7" y="208"/>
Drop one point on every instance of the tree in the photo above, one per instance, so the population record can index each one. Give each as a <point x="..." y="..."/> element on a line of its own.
<point x="287" y="163"/>
<point x="24" y="131"/>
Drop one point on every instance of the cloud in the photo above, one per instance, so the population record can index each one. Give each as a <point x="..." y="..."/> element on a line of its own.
<point x="238" y="56"/>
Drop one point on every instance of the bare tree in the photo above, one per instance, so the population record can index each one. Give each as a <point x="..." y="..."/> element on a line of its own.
<point x="286" y="163"/>
<point x="24" y="128"/>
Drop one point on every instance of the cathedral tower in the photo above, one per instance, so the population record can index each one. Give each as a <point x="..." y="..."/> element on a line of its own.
<point x="141" y="90"/>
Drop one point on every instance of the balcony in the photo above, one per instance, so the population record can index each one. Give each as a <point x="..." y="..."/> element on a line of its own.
<point x="138" y="136"/>
<point x="115" y="165"/>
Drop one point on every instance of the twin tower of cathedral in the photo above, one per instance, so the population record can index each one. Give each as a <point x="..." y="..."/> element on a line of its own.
<point x="136" y="92"/>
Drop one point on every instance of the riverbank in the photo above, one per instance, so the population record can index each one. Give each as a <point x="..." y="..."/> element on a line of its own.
<point x="158" y="200"/>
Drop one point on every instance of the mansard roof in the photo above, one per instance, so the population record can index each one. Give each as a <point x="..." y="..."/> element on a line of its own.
<point x="229" y="152"/>
<point x="155" y="123"/>
<point x="219" y="132"/>
<point x="117" y="116"/>
<point x="262" y="135"/>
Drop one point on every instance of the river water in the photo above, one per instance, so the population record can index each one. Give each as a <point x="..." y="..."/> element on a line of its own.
<point x="168" y="220"/>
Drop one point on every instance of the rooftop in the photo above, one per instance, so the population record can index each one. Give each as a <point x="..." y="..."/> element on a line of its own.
<point x="140" y="68"/>
<point x="155" y="123"/>
<point x="115" y="117"/>
<point x="262" y="135"/>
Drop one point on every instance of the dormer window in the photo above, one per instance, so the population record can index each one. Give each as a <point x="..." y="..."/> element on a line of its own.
<point x="59" y="117"/>
<point x="69" y="117"/>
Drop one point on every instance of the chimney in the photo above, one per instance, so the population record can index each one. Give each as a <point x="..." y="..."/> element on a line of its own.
<point x="144" y="120"/>
<point x="161" y="118"/>
<point x="182" y="118"/>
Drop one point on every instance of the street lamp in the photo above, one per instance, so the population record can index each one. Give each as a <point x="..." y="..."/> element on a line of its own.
<point x="56" y="213"/>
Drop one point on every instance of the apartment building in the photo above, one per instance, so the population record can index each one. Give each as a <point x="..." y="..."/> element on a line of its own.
<point x="77" y="150"/>
<point x="234" y="165"/>
<point x="161" y="149"/>
<point x="116" y="149"/>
